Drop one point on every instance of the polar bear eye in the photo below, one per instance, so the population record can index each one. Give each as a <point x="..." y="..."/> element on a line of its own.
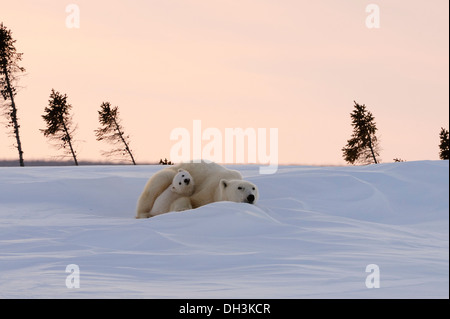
<point x="179" y="183"/>
<point x="239" y="187"/>
<point x="182" y="175"/>
<point x="253" y="188"/>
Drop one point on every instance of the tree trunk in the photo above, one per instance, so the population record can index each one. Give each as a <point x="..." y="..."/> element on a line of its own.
<point x="123" y="140"/>
<point x="372" y="151"/>
<point x="69" y="140"/>
<point x="14" y="117"/>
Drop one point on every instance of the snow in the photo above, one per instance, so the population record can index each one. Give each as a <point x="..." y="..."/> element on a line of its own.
<point x="311" y="235"/>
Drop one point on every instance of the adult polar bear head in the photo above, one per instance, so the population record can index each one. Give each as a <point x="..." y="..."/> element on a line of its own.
<point x="208" y="186"/>
<point x="238" y="191"/>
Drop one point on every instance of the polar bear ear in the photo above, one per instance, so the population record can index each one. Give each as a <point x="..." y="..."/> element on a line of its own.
<point x="223" y="183"/>
<point x="180" y="170"/>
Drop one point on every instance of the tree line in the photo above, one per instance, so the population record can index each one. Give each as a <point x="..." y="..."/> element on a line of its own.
<point x="60" y="128"/>
<point x="363" y="146"/>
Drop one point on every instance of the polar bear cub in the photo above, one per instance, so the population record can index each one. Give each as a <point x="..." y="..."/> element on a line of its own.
<point x="176" y="196"/>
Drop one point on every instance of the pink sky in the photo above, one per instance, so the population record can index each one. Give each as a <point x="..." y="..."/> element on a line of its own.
<point x="292" y="65"/>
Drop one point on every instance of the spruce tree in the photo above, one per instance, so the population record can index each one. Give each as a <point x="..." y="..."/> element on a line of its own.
<point x="363" y="146"/>
<point x="9" y="71"/>
<point x="59" y="123"/>
<point x="444" y="144"/>
<point x="112" y="131"/>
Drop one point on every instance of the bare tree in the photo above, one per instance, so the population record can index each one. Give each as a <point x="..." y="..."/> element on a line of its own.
<point x="59" y="123"/>
<point x="112" y="131"/>
<point x="9" y="71"/>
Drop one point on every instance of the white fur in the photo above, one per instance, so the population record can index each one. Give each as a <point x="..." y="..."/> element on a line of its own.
<point x="238" y="191"/>
<point x="175" y="196"/>
<point x="207" y="177"/>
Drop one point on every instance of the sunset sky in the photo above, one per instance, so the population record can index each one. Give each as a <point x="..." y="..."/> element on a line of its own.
<point x="292" y="65"/>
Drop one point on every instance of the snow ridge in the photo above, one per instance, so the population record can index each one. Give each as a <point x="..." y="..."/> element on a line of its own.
<point x="311" y="235"/>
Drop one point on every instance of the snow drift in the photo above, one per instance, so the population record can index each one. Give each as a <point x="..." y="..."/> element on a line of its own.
<point x="311" y="235"/>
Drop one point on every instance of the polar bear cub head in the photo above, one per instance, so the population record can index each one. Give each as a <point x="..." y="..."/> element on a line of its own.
<point x="183" y="183"/>
<point x="239" y="191"/>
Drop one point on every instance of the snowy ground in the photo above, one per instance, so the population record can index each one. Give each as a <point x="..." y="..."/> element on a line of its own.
<point x="311" y="235"/>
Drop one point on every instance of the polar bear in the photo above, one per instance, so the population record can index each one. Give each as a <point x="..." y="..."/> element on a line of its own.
<point x="176" y="196"/>
<point x="213" y="183"/>
<point x="237" y="191"/>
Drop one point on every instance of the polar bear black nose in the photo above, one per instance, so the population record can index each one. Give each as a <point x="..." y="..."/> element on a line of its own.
<point x="251" y="198"/>
<point x="186" y="181"/>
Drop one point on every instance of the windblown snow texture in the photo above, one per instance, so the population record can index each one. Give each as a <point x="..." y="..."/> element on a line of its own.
<point x="311" y="235"/>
